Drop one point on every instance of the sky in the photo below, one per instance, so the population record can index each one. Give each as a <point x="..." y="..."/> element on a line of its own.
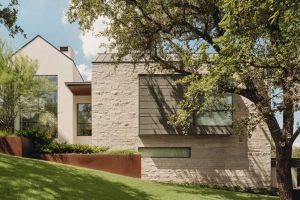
<point x="47" y="18"/>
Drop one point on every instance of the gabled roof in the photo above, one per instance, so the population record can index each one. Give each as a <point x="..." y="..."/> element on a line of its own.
<point x="38" y="36"/>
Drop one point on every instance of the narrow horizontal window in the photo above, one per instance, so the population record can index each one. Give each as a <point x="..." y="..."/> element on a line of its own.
<point x="165" y="152"/>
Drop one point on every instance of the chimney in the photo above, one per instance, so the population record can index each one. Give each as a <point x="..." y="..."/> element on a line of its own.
<point x="67" y="51"/>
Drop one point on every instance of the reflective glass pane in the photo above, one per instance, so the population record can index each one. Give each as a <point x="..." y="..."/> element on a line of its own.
<point x="224" y="102"/>
<point x="84" y="129"/>
<point x="219" y="118"/>
<point x="46" y="102"/>
<point x="84" y="119"/>
<point x="29" y="120"/>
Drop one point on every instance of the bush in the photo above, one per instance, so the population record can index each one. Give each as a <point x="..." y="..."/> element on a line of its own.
<point x="38" y="137"/>
<point x="71" y="148"/>
<point x="123" y="152"/>
<point x="5" y="133"/>
<point x="45" y="144"/>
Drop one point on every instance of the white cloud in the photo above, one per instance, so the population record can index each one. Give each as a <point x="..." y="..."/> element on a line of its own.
<point x="91" y="42"/>
<point x="64" y="18"/>
<point x="85" y="71"/>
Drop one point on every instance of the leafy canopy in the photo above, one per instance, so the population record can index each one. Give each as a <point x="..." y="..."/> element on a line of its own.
<point x="256" y="43"/>
<point x="8" y="17"/>
<point x="19" y="87"/>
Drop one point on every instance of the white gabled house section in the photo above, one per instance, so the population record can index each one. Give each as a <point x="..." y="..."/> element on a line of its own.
<point x="51" y="61"/>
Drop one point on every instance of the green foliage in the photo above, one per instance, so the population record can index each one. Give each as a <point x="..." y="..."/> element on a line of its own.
<point x="8" y="17"/>
<point x="48" y="122"/>
<point x="182" y="120"/>
<point x="122" y="152"/>
<point x="256" y="43"/>
<point x="18" y="86"/>
<point x="5" y="133"/>
<point x="55" y="147"/>
<point x="296" y="152"/>
<point x="38" y="137"/>
<point x="44" y="143"/>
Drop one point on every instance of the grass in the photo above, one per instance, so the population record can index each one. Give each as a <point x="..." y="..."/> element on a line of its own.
<point x="22" y="178"/>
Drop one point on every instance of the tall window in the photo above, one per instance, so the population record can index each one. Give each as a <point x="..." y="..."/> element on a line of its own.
<point x="84" y="119"/>
<point x="219" y="116"/>
<point x="47" y="102"/>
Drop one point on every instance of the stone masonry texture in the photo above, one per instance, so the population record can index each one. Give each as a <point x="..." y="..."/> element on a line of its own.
<point x="215" y="159"/>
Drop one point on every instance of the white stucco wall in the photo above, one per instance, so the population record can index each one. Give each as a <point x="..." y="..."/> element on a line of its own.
<point x="52" y="62"/>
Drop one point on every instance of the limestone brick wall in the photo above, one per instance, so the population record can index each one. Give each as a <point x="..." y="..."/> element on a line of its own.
<point x="215" y="159"/>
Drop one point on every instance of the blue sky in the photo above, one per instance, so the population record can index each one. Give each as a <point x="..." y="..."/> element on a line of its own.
<point x="46" y="18"/>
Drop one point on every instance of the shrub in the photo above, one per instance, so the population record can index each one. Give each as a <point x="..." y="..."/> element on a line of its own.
<point x="38" y="137"/>
<point x="71" y="148"/>
<point x="5" y="133"/>
<point x="123" y="152"/>
<point x="45" y="144"/>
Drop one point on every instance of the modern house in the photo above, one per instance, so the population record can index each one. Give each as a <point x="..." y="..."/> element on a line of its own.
<point x="125" y="107"/>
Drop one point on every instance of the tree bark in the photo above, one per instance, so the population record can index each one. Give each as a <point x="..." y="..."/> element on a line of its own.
<point x="283" y="172"/>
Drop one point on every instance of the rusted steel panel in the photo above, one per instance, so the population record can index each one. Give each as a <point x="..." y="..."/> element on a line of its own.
<point x="16" y="146"/>
<point x="127" y="165"/>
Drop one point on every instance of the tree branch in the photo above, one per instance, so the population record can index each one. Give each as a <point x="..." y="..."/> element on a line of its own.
<point x="295" y="135"/>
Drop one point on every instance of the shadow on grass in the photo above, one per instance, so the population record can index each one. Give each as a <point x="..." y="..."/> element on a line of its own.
<point x="219" y="194"/>
<point x="28" y="180"/>
<point x="33" y="179"/>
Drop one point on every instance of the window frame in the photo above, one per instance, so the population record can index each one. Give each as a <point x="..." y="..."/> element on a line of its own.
<point x="77" y="121"/>
<point x="188" y="148"/>
<point x="38" y="104"/>
<point x="217" y="111"/>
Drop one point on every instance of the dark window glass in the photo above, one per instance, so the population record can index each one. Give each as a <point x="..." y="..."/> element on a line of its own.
<point x="46" y="102"/>
<point x="165" y="152"/>
<point x="84" y="119"/>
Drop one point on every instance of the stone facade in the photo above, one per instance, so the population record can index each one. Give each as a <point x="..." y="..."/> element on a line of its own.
<point x="215" y="159"/>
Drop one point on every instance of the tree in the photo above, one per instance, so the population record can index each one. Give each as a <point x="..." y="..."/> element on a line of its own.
<point x="8" y="17"/>
<point x="257" y="45"/>
<point x="19" y="87"/>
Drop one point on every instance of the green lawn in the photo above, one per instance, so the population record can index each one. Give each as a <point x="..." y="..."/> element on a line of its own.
<point x="22" y="178"/>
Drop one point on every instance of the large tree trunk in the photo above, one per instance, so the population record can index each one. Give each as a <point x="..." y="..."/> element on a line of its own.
<point x="283" y="172"/>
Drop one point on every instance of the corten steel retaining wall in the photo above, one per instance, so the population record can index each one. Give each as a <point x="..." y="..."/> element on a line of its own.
<point x="127" y="165"/>
<point x="16" y="146"/>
